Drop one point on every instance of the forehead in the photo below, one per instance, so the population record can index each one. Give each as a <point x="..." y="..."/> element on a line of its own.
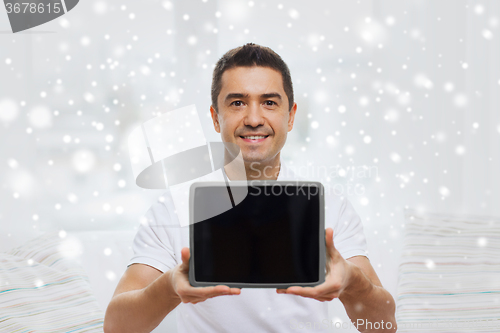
<point x="250" y="80"/>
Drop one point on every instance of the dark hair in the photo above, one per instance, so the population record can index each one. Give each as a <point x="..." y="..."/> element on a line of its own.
<point x="250" y="55"/>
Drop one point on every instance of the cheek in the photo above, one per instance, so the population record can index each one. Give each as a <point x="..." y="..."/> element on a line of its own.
<point x="282" y="127"/>
<point x="227" y="127"/>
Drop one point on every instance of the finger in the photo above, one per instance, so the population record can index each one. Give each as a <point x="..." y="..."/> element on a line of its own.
<point x="224" y="290"/>
<point x="187" y="292"/>
<point x="319" y="292"/>
<point x="330" y="247"/>
<point x="302" y="291"/>
<point x="201" y="296"/>
<point x="208" y="292"/>
<point x="235" y="291"/>
<point x="185" y="255"/>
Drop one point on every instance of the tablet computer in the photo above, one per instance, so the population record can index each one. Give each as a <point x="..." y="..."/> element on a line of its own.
<point x="273" y="236"/>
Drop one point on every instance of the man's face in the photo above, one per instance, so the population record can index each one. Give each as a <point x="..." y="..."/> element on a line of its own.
<point x="254" y="112"/>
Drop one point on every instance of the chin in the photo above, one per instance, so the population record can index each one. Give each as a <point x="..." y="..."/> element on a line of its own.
<point x="257" y="156"/>
<point x="252" y="158"/>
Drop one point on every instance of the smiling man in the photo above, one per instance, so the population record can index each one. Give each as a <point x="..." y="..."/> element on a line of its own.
<point x="252" y="107"/>
<point x="254" y="114"/>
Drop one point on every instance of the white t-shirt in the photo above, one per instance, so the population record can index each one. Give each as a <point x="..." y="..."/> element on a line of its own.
<point x="158" y="244"/>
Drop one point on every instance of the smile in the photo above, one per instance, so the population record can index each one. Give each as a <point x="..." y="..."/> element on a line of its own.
<point x="254" y="138"/>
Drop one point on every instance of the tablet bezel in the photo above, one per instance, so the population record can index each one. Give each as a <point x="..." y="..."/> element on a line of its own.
<point x="321" y="234"/>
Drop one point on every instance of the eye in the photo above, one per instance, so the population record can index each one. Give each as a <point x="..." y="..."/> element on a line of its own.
<point x="237" y="103"/>
<point x="271" y="103"/>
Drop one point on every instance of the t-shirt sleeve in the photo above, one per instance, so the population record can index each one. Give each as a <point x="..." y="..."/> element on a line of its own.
<point x="152" y="244"/>
<point x="348" y="236"/>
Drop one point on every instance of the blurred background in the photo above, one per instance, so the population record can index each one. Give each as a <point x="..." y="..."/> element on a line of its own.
<point x="409" y="90"/>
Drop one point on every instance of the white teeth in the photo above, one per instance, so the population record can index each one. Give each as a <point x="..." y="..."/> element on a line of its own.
<point x="254" y="137"/>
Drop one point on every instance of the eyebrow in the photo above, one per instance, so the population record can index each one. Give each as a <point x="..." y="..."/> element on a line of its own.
<point x="239" y="95"/>
<point x="235" y="95"/>
<point x="271" y="95"/>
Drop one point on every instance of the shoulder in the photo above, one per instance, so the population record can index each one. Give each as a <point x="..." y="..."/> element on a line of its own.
<point x="162" y="212"/>
<point x="290" y="171"/>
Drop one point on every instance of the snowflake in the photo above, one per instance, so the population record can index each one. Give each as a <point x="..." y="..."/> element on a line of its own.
<point x="444" y="191"/>
<point x="482" y="241"/>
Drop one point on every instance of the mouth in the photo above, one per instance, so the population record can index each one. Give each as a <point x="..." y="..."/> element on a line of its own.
<point x="254" y="138"/>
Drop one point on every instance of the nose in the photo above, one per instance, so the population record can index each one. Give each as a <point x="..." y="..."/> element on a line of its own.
<point x="254" y="116"/>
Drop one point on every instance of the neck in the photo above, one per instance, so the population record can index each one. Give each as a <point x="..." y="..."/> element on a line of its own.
<point x="254" y="170"/>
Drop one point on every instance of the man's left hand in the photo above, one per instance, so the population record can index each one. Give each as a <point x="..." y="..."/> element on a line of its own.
<point x="336" y="280"/>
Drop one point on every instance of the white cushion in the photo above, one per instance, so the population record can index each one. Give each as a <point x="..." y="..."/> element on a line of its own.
<point x="448" y="276"/>
<point x="43" y="290"/>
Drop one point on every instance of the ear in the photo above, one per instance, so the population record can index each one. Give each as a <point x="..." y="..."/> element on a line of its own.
<point x="215" y="118"/>
<point x="291" y="116"/>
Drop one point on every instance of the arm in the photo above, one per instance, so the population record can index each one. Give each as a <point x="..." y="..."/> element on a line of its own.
<point x="356" y="284"/>
<point x="365" y="300"/>
<point x="144" y="296"/>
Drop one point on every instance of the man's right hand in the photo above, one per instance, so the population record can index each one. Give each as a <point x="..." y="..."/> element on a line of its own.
<point x="190" y="294"/>
<point x="145" y="295"/>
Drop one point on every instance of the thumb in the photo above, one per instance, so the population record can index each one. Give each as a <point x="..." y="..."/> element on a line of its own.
<point x="330" y="248"/>
<point x="185" y="255"/>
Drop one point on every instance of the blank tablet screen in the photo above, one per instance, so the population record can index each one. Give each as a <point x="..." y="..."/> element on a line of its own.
<point x="271" y="237"/>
